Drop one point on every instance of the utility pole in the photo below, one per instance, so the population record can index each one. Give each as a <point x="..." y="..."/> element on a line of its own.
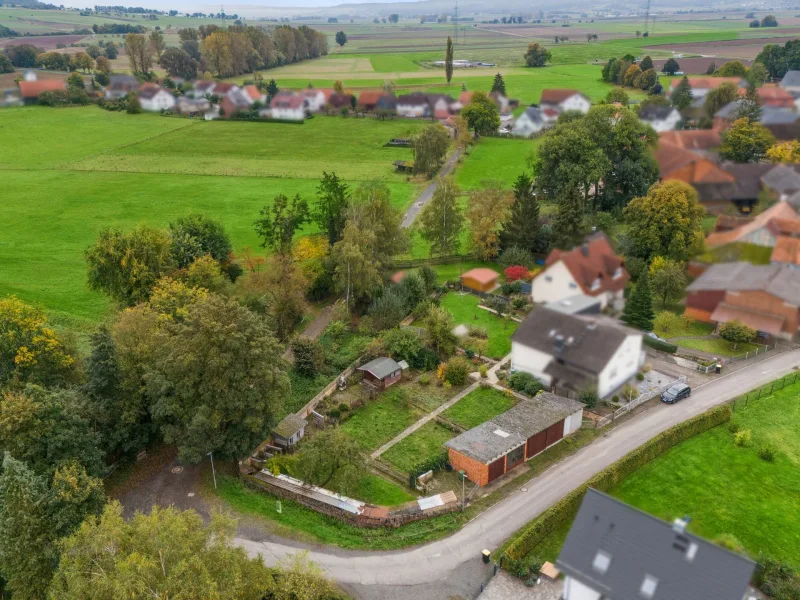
<point x="654" y="24"/>
<point x="455" y="24"/>
<point x="647" y="16"/>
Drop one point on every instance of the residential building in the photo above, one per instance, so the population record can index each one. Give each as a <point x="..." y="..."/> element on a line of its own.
<point x="576" y="305"/>
<point x="791" y="83"/>
<point x="10" y="97"/>
<point x="764" y="297"/>
<point x="316" y="99"/>
<point x="120" y="86"/>
<point x="387" y="103"/>
<point x="762" y="230"/>
<point x="383" y="372"/>
<point x="192" y="106"/>
<point x="495" y="447"/>
<point x="702" y="141"/>
<point x="413" y="106"/>
<point x="338" y="101"/>
<point x="528" y="123"/>
<point x="368" y="100"/>
<point x="504" y="105"/>
<point x="564" y="100"/>
<point x="480" y="279"/>
<point x="660" y="118"/>
<point x="254" y="94"/>
<point x="702" y="85"/>
<point x="236" y="100"/>
<point x="289" y="431"/>
<point x="616" y="552"/>
<point x="786" y="252"/>
<point x="203" y="88"/>
<point x="440" y="105"/>
<point x="155" y="99"/>
<point x="775" y="97"/>
<point x="573" y="353"/>
<point x="591" y="269"/>
<point x="287" y="106"/>
<point x="783" y="123"/>
<point x="31" y="90"/>
<point x="782" y="179"/>
<point x="222" y="88"/>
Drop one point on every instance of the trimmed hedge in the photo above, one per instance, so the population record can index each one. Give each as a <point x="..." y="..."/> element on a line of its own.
<point x="566" y="508"/>
<point x="659" y="345"/>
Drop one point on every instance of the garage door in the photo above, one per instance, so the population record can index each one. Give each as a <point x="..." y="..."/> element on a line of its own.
<point x="555" y="432"/>
<point x="536" y="444"/>
<point x="497" y="468"/>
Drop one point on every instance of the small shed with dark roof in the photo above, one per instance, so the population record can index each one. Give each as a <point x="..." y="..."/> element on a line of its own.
<point x="289" y="431"/>
<point x="480" y="279"/>
<point x="382" y="372"/>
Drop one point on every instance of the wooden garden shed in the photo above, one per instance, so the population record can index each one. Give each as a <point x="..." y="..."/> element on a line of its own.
<point x="480" y="279"/>
<point x="382" y="372"/>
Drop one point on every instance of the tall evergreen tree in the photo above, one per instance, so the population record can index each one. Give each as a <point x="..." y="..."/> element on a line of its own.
<point x="568" y="226"/>
<point x="448" y="59"/>
<point x="522" y="228"/>
<point x="638" y="310"/>
<point x="682" y="96"/>
<point x="499" y="84"/>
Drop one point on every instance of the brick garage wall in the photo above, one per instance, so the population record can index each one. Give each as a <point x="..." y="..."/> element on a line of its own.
<point x="476" y="471"/>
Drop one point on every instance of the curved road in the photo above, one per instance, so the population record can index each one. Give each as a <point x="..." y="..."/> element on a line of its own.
<point x="440" y="559"/>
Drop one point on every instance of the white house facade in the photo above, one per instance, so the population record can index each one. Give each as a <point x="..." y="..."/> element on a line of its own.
<point x="528" y="123"/>
<point x="622" y="366"/>
<point x="157" y="101"/>
<point x="576" y="102"/>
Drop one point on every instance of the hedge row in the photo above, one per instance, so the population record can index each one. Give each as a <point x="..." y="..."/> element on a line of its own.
<point x="659" y="345"/>
<point x="611" y="476"/>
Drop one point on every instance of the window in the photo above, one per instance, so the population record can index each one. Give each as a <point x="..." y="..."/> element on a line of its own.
<point x="618" y="273"/>
<point x="601" y="561"/>
<point x="573" y="285"/>
<point x="548" y="278"/>
<point x="649" y="585"/>
<point x="612" y="374"/>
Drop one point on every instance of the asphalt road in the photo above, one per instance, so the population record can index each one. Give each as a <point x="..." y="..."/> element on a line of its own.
<point x="457" y="556"/>
<point x="427" y="194"/>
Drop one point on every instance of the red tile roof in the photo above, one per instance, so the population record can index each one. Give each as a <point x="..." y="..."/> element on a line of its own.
<point x="675" y="162"/>
<point x="706" y="83"/>
<point x="782" y="212"/>
<point x="465" y="97"/>
<point x="557" y="95"/>
<point x="253" y="92"/>
<point x="287" y="100"/>
<point x="772" y="95"/>
<point x="223" y="87"/>
<point x="692" y="139"/>
<point x="786" y="250"/>
<point x="593" y="262"/>
<point x="32" y="89"/>
<point x="370" y="97"/>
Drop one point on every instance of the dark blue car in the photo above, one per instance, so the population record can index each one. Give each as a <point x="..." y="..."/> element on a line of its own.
<point x="675" y="392"/>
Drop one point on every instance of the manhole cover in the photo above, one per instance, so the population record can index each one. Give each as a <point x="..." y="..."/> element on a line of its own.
<point x="523" y="489"/>
<point x="177" y="469"/>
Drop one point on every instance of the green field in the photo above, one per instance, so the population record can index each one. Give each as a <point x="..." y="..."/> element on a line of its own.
<point x="82" y="169"/>
<point x="381" y="419"/>
<point x="465" y="310"/>
<point x="718" y="346"/>
<point x="496" y="159"/>
<point x="478" y="407"/>
<point x="426" y="442"/>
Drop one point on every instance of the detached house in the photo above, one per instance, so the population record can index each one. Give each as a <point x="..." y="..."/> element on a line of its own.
<point x="591" y="269"/>
<point x="791" y="83"/>
<point x="155" y="99"/>
<point x="528" y="123"/>
<point x="702" y="85"/>
<point x="571" y="353"/>
<point x="660" y="118"/>
<point x="287" y="106"/>
<point x="564" y="100"/>
<point x="120" y="86"/>
<point x="31" y="90"/>
<point x="413" y="106"/>
<point x="316" y="99"/>
<point x="616" y="552"/>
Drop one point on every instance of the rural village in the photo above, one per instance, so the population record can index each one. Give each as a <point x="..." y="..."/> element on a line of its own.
<point x="325" y="303"/>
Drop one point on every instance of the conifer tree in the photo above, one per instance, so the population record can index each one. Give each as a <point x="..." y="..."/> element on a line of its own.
<point x="568" y="225"/>
<point x="523" y="226"/>
<point x="638" y="310"/>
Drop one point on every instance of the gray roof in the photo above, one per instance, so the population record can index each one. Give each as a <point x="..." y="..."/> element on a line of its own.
<point x="582" y="342"/>
<point x="655" y="112"/>
<point x="791" y="79"/>
<point x="637" y="544"/>
<point x="729" y="111"/>
<point x="290" y="425"/>
<point x="782" y="179"/>
<point x="794" y="200"/>
<point x="495" y="438"/>
<point x="780" y="281"/>
<point x="576" y="305"/>
<point x="381" y="367"/>
<point x="534" y="113"/>
<point x="774" y="115"/>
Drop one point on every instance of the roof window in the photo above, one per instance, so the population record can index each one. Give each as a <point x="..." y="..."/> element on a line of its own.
<point x="601" y="561"/>
<point x="649" y="585"/>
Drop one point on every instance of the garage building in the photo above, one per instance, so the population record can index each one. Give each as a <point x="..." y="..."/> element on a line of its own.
<point x="497" y="446"/>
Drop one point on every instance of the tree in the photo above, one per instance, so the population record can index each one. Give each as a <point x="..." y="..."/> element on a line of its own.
<point x="646" y="63"/>
<point x="499" y="85"/>
<point x="5" y="64"/>
<point x="442" y="219"/>
<point x="633" y="76"/>
<point x="341" y="38"/>
<point x="402" y="343"/>
<point x="30" y="351"/>
<point x="279" y="222"/>
<point x="769" y="21"/>
<point x="371" y="210"/>
<point x="719" y="97"/>
<point x="668" y="279"/>
<point x="568" y="226"/>
<point x="354" y="271"/>
<point x="745" y="141"/>
<point x="522" y="227"/>
<point x="94" y="51"/>
<point x="430" y="148"/>
<point x="488" y="211"/>
<point x="285" y="285"/>
<point x="111" y="50"/>
<point x="448" y="59"/>
<point x="682" y="95"/>
<point x="138" y="49"/>
<point x="649" y="80"/>
<point x="757" y="75"/>
<point x="732" y="68"/>
<point x="755" y="23"/>
<point x="178" y="63"/>
<point x="439" y="326"/>
<point x="157" y="43"/>
<point x="338" y="87"/>
<point x="482" y="114"/>
<point x="537" y="55"/>
<point x="462" y="135"/>
<point x="785" y="152"/>
<point x="75" y="82"/>
<point x="331" y="458"/>
<point x="671" y="66"/>
<point x="196" y="235"/>
<point x="271" y="89"/>
<point x="82" y="61"/>
<point x="333" y="198"/>
<point x="749" y="106"/>
<point x="617" y="95"/>
<point x="667" y="222"/>
<point x="216" y="382"/>
<point x="103" y="65"/>
<point x="394" y="18"/>
<point x="309" y="356"/>
<point x="736" y="332"/>
<point x="638" y="311"/>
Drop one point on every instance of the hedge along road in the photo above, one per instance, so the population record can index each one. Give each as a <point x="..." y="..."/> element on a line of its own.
<point x="435" y="561"/>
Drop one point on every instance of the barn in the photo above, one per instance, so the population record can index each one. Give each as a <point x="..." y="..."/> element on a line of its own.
<point x="492" y="449"/>
<point x="480" y="279"/>
<point x="383" y="372"/>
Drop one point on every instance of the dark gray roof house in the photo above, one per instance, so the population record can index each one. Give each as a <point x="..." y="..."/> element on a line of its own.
<point x="619" y="552"/>
<point x="782" y="179"/>
<point x="777" y="280"/>
<point x="655" y="112"/>
<point x="791" y="80"/>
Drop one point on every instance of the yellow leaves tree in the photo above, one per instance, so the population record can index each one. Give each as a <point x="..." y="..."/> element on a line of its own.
<point x="488" y="211"/>
<point x="784" y="152"/>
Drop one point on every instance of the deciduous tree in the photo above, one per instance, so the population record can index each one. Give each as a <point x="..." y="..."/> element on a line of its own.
<point x="279" y="222"/>
<point x="745" y="141"/>
<point x="140" y="56"/>
<point x="442" y="220"/>
<point x="537" y="55"/>
<point x="785" y="152"/>
<point x="482" y="114"/>
<point x="667" y="279"/>
<point x="671" y="66"/>
<point x="736" y="332"/>
<point x="719" y="97"/>
<point x="331" y="459"/>
<point x="488" y="212"/>
<point x="439" y="326"/>
<point x="341" y="38"/>
<point x="355" y="273"/>
<point x="430" y="148"/>
<point x="157" y="43"/>
<point x="330" y="212"/>
<point x="178" y="63"/>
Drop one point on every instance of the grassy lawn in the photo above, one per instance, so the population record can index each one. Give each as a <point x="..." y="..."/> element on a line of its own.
<point x="478" y="407"/>
<point x="500" y="159"/>
<point x="424" y="443"/>
<point x="451" y="272"/>
<point x="376" y="490"/>
<point x="758" y="255"/>
<point x="465" y="310"/>
<point x="303" y="389"/>
<point x="718" y="346"/>
<point x="381" y="419"/>
<point x="688" y="327"/>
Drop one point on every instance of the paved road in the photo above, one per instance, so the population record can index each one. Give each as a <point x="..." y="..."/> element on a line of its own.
<point x="425" y="196"/>
<point x="439" y="560"/>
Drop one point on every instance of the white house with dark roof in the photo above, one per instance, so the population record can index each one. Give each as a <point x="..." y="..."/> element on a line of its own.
<point x="528" y="123"/>
<point x="156" y="99"/>
<point x="565" y="100"/>
<point x="616" y="552"/>
<point x="660" y="118"/>
<point x="571" y="353"/>
<point x="791" y="83"/>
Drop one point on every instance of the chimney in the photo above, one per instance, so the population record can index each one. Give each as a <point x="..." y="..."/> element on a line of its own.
<point x="585" y="249"/>
<point x="558" y="342"/>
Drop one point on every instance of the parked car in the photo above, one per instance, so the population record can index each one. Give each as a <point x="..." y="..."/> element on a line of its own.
<point x="675" y="392"/>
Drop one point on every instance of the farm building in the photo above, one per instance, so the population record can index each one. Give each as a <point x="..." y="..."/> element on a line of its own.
<point x="289" y="431"/>
<point x="492" y="449"/>
<point x="31" y="90"/>
<point x="480" y="279"/>
<point x="382" y="372"/>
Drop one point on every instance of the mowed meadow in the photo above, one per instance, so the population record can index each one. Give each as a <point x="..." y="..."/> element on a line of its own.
<point x="68" y="173"/>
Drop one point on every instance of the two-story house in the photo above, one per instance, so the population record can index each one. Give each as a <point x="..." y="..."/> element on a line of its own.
<point x="564" y="100"/>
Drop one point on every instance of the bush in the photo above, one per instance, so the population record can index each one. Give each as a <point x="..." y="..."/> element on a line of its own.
<point x="766" y="453"/>
<point x="524" y="568"/>
<point x="777" y="579"/>
<point x="516" y="273"/>
<point x="640" y="376"/>
<point x="343" y="407"/>
<point x="402" y="344"/>
<point x="425" y="360"/>
<point x="611" y="476"/>
<point x="588" y="397"/>
<point x="524" y="383"/>
<point x="334" y="413"/>
<point x="729" y="542"/>
<point x="659" y="345"/>
<point x="519" y="302"/>
<point x="478" y="332"/>
<point x="456" y="371"/>
<point x="742" y="438"/>
<point x="429" y="277"/>
<point x="433" y="463"/>
<point x="484" y="371"/>
<point x="308" y="356"/>
<point x="733" y="427"/>
<point x="424" y="379"/>
<point x="516" y="255"/>
<point x="388" y="310"/>
<point x="615" y="399"/>
<point x="509" y="289"/>
<point x="134" y="106"/>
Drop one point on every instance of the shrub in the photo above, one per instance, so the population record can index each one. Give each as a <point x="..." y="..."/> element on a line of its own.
<point x="478" y="332"/>
<point x="433" y="463"/>
<point x="640" y="376"/>
<point x="743" y="437"/>
<point x="588" y="397"/>
<point x="733" y="427"/>
<point x="524" y="568"/>
<point x="421" y="310"/>
<point x="508" y="289"/>
<point x="344" y="407"/>
<point x="729" y="542"/>
<point x="516" y="255"/>
<point x="658" y="345"/>
<point x="630" y="392"/>
<point x="426" y="360"/>
<point x="308" y="356"/>
<point x="611" y="476"/>
<point x="484" y="371"/>
<point x="456" y="371"/>
<point x="334" y="413"/>
<point x="519" y="302"/>
<point x="766" y="453"/>
<point x="388" y="310"/>
<point x="402" y="344"/>
<point x="337" y="330"/>
<point x="424" y="379"/>
<point x="524" y="383"/>
<point x="429" y="277"/>
<point x="615" y="399"/>
<point x="516" y="273"/>
<point x="777" y="579"/>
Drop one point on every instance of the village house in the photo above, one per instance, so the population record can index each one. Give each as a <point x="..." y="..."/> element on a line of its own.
<point x="155" y="99"/>
<point x="287" y="106"/>
<point x="528" y="123"/>
<point x="563" y="100"/>
<point x="495" y="447"/>
<point x="591" y="269"/>
<point x="574" y="353"/>
<point x="120" y="86"/>
<point x="791" y="83"/>
<point x="702" y="85"/>
<point x="702" y="141"/>
<point x="413" y="106"/>
<point x="316" y="99"/>
<point x="614" y="551"/>
<point x="31" y="90"/>
<point x="762" y="230"/>
<point x="203" y="87"/>
<point x="368" y="100"/>
<point x="775" y="97"/>
<point x="237" y="100"/>
<point x="337" y="101"/>
<point x="192" y="106"/>
<point x="763" y="297"/>
<point x="660" y="118"/>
